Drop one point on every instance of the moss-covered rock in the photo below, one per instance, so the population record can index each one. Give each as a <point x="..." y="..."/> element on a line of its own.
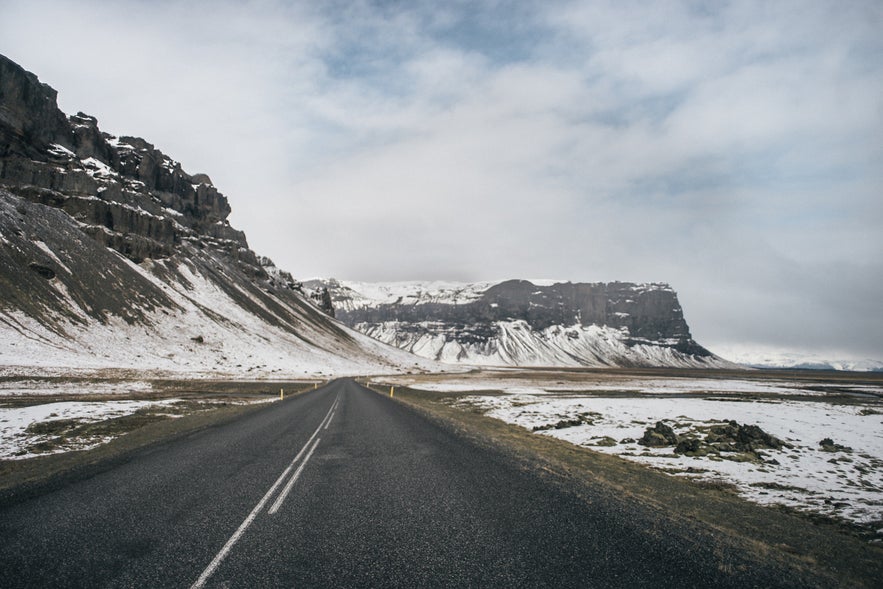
<point x="659" y="435"/>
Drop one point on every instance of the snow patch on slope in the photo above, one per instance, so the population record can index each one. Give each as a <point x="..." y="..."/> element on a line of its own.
<point x="517" y="344"/>
<point x="209" y="333"/>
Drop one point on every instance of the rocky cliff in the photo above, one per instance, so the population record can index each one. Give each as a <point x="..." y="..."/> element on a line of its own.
<point x="112" y="255"/>
<point x="520" y="323"/>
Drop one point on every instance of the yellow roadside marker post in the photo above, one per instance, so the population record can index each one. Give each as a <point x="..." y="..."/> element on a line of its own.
<point x="392" y="391"/>
<point x="281" y="394"/>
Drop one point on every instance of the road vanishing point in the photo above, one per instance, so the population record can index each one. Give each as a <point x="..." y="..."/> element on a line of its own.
<point x="345" y="487"/>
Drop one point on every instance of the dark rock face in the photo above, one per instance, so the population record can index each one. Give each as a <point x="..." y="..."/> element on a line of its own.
<point x="69" y="189"/>
<point x="650" y="312"/>
<point x="29" y="117"/>
<point x="128" y="195"/>
<point x="659" y="435"/>
<point x="517" y="322"/>
<point x="44" y="271"/>
<point x="322" y="298"/>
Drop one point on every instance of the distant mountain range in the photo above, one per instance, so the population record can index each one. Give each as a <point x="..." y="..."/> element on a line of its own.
<point x="760" y="357"/>
<point x="524" y="323"/>
<point x="111" y="255"/>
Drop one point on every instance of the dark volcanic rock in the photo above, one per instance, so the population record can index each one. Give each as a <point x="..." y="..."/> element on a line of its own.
<point x="111" y="255"/>
<point x="44" y="271"/>
<point x="828" y="445"/>
<point x="690" y="446"/>
<point x="659" y="435"/>
<point x="741" y="441"/>
<point x="649" y="312"/>
<point x="322" y="298"/>
<point x="127" y="194"/>
<point x="122" y="194"/>
<point x="751" y="437"/>
<point x="29" y="117"/>
<point x="517" y="322"/>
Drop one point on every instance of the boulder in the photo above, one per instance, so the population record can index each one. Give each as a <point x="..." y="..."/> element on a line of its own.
<point x="659" y="435"/>
<point x="44" y="271"/>
<point x="828" y="445"/>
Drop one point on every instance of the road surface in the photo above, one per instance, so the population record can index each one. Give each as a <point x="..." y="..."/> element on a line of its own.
<point x="343" y="487"/>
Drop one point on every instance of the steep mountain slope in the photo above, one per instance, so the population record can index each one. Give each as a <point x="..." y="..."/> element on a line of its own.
<point x="112" y="256"/>
<point x="520" y="323"/>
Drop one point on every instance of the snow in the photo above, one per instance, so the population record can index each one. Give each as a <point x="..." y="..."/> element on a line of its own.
<point x="60" y="150"/>
<point x="843" y="484"/>
<point x="761" y="356"/>
<point x="239" y="345"/>
<point x="14" y="439"/>
<point x="513" y="342"/>
<point x="98" y="169"/>
<point x="51" y="254"/>
<point x="546" y="281"/>
<point x="370" y="294"/>
<point x="16" y="442"/>
<point x="611" y="383"/>
<point x="517" y="344"/>
<point x="39" y="386"/>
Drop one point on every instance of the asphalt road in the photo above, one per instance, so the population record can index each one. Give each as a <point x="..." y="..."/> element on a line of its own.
<point x="342" y="487"/>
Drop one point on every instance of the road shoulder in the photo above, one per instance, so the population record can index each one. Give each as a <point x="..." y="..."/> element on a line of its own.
<point x="816" y="549"/>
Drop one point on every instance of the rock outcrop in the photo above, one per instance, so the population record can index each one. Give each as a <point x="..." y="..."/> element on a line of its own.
<point x="517" y="322"/>
<point x="127" y="194"/>
<point x="112" y="255"/>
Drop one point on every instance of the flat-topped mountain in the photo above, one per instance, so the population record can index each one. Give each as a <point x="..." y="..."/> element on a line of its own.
<point x="111" y="255"/>
<point x="524" y="323"/>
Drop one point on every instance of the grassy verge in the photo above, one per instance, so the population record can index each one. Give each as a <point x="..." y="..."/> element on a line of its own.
<point x="825" y="549"/>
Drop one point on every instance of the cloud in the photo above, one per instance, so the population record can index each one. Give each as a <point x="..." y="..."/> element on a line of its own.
<point x="734" y="150"/>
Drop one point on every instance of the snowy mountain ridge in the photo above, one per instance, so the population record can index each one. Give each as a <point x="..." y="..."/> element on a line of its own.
<point x="112" y="256"/>
<point x="352" y="295"/>
<point x="522" y="323"/>
<point x="759" y="356"/>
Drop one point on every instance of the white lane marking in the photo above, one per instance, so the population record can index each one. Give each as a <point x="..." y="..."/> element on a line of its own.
<point x="281" y="498"/>
<point x="333" y="412"/>
<point x="213" y="565"/>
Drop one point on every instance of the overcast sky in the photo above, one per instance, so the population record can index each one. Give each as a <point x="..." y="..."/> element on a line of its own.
<point x="731" y="149"/>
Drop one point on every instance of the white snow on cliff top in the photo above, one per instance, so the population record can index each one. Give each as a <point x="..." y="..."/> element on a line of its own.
<point x="366" y="294"/>
<point x="416" y="292"/>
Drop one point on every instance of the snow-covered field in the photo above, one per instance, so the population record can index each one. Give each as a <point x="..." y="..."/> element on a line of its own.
<point x="67" y="386"/>
<point x="610" y="413"/>
<point x="44" y="415"/>
<point x="16" y="439"/>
